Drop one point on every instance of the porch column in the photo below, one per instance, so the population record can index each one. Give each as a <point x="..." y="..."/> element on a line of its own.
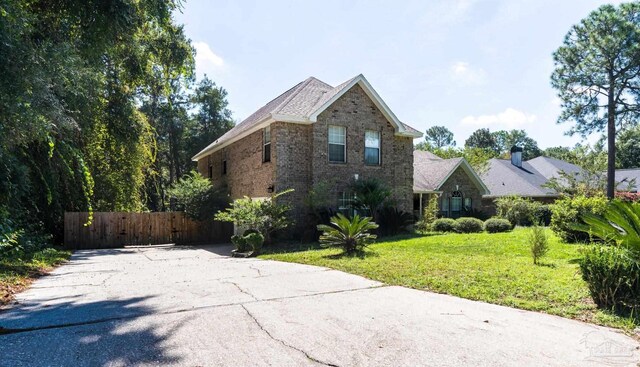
<point x="420" y="216"/>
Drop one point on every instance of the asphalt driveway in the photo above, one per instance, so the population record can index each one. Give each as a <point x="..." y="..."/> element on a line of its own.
<point x="197" y="307"/>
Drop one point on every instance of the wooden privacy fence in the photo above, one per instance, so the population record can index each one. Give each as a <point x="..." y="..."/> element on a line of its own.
<point x="118" y="229"/>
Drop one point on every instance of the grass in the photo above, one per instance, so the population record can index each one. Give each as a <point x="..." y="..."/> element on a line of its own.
<point x="495" y="268"/>
<point x="16" y="274"/>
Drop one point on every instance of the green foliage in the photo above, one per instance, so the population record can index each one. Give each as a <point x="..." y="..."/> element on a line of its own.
<point x="468" y="225"/>
<point x="613" y="277"/>
<point x="352" y="234"/>
<point x="429" y="215"/>
<point x="597" y="75"/>
<point x="567" y="212"/>
<point x="483" y="139"/>
<point x="439" y="137"/>
<point x="393" y="221"/>
<point x="619" y="222"/>
<point x="538" y="242"/>
<point x="249" y="240"/>
<point x="497" y="225"/>
<point x="197" y="197"/>
<point x="266" y="215"/>
<point x="506" y="139"/>
<point x="518" y="210"/>
<point x="628" y="148"/>
<point x="370" y="195"/>
<point x="444" y="225"/>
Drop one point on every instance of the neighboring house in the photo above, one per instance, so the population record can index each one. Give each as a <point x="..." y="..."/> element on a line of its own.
<point x="628" y="180"/>
<point x="506" y="177"/>
<point x="458" y="186"/>
<point x="310" y="134"/>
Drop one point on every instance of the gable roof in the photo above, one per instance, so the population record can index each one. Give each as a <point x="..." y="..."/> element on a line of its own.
<point x="504" y="179"/>
<point x="430" y="172"/>
<point x="302" y="104"/>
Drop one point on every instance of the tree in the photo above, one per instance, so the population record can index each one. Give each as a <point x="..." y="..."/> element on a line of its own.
<point x="628" y="148"/>
<point x="597" y="75"/>
<point x="439" y="136"/>
<point x="483" y="139"/>
<point x="507" y="139"/>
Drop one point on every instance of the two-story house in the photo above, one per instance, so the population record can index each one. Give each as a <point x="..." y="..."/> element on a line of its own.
<point x="315" y="133"/>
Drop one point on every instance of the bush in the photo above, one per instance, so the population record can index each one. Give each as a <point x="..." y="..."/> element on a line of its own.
<point x="197" y="197"/>
<point x="538" y="242"/>
<point x="265" y="216"/>
<point x="444" y="225"/>
<point x="566" y="214"/>
<point x="518" y="210"/>
<point x="350" y="234"/>
<point x="468" y="225"/>
<point x="249" y="240"/>
<point x="542" y="215"/>
<point x="371" y="195"/>
<point x="393" y="221"/>
<point x="497" y="225"/>
<point x="612" y="276"/>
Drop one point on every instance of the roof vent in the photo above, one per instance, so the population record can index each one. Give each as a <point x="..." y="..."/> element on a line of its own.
<point x="516" y="156"/>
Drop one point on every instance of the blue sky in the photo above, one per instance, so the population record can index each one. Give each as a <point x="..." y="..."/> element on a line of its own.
<point x="464" y="64"/>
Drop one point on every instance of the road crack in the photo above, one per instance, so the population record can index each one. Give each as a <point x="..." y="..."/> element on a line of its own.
<point x="284" y="343"/>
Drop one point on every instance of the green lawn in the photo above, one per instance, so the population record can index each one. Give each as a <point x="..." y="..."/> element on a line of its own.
<point x="16" y="275"/>
<point x="495" y="268"/>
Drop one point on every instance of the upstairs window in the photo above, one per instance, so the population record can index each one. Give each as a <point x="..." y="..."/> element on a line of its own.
<point x="224" y="162"/>
<point x="266" y="144"/>
<point x="337" y="144"/>
<point x="372" y="147"/>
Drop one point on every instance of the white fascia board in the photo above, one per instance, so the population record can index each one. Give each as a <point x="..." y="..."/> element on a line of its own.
<point x="213" y="147"/>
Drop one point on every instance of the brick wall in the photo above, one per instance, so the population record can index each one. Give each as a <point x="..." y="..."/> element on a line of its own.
<point x="246" y="174"/>
<point x="465" y="186"/>
<point x="355" y="111"/>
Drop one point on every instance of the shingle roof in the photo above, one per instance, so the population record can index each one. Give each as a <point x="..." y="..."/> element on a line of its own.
<point x="296" y="104"/>
<point x="429" y="170"/>
<point x="503" y="178"/>
<point x="624" y="177"/>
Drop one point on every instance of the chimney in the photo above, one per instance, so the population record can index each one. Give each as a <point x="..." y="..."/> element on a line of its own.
<point x="516" y="156"/>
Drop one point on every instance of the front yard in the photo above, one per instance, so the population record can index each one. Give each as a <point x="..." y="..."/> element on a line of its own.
<point x="494" y="268"/>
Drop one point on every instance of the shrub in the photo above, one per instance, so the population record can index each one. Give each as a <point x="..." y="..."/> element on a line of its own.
<point x="468" y="225"/>
<point x="538" y="242"/>
<point x="393" y="221"/>
<point x="350" y="234"/>
<point x="497" y="225"/>
<point x="265" y="216"/>
<point x="197" y="197"/>
<point x="370" y="195"/>
<point x="517" y="210"/>
<point x="566" y="214"/>
<point x="612" y="276"/>
<point x="542" y="215"/>
<point x="444" y="225"/>
<point x="255" y="240"/>
<point x="429" y="215"/>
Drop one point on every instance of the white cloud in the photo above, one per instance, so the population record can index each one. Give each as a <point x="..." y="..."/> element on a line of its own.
<point x="509" y="118"/>
<point x="207" y="62"/>
<point x="464" y="73"/>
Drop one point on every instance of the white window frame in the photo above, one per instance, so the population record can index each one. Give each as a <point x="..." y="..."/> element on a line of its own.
<point x="344" y="144"/>
<point x="377" y="132"/>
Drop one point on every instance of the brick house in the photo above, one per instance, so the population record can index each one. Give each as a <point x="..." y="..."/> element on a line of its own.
<point x="310" y="134"/>
<point x="458" y="187"/>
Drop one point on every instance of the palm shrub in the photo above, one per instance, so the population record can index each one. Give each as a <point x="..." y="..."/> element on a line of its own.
<point x="350" y="234"/>
<point x="444" y="225"/>
<point x="393" y="221"/>
<point x="370" y="196"/>
<point x="497" y="225"/>
<point x="538" y="242"/>
<point x="567" y="212"/>
<point x="468" y="225"/>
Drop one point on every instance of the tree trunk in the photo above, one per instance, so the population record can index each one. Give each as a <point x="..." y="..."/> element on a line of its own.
<point x="611" y="142"/>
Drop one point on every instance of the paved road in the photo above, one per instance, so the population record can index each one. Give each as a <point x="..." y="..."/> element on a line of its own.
<point x="198" y="307"/>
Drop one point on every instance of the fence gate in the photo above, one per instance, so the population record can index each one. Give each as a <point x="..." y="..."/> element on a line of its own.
<point x="118" y="229"/>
